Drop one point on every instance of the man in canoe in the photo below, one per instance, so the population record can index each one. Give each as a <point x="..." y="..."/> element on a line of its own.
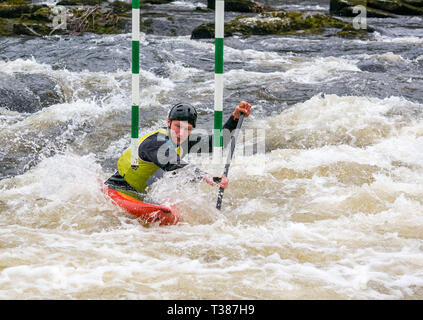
<point x="162" y="150"/>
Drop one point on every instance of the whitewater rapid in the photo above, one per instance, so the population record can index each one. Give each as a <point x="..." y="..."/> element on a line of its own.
<point x="331" y="209"/>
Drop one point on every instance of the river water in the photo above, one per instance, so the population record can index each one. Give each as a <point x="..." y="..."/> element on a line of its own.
<point x="332" y="209"/>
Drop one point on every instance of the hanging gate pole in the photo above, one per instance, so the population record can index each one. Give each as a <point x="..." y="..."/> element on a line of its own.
<point x="218" y="79"/>
<point x="135" y="82"/>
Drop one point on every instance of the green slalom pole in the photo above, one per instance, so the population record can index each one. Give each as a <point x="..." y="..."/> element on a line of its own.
<point x="218" y="79"/>
<point x="135" y="82"/>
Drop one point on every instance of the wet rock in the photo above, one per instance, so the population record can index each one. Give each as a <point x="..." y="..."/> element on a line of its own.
<point x="397" y="6"/>
<point x="121" y="7"/>
<point x="377" y="8"/>
<point x="28" y="92"/>
<point x="23" y="28"/>
<point x="417" y="3"/>
<point x="14" y="8"/>
<point x="156" y="1"/>
<point x="41" y="14"/>
<point x="80" y="2"/>
<point x="351" y="32"/>
<point x="238" y="6"/>
<point x="108" y="2"/>
<point x="39" y="22"/>
<point x="273" y="23"/>
<point x="6" y="27"/>
<point x="95" y="19"/>
<point x="23" y="17"/>
<point x="371" y="66"/>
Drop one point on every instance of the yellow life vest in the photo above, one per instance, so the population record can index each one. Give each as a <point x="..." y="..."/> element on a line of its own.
<point x="138" y="179"/>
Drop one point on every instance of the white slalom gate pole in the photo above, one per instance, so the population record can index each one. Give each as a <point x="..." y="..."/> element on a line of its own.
<point x="218" y="79"/>
<point x="135" y="82"/>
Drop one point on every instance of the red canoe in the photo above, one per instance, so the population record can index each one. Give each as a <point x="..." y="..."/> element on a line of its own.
<point x="145" y="211"/>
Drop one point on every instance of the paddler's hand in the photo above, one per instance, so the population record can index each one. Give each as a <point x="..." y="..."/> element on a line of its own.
<point x="222" y="182"/>
<point x="243" y="107"/>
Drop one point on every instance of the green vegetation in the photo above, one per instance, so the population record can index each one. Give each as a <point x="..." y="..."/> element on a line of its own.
<point x="377" y="8"/>
<point x="273" y="23"/>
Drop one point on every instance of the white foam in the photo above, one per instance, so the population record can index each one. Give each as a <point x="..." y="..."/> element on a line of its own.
<point x="383" y="38"/>
<point x="188" y="4"/>
<point x="384" y="57"/>
<point x="301" y="70"/>
<point x="27" y="66"/>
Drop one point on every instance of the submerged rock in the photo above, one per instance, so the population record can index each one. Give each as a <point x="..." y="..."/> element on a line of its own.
<point x="239" y="6"/>
<point x="274" y="23"/>
<point x="23" y="92"/>
<point x="377" y="8"/>
<point x="371" y="66"/>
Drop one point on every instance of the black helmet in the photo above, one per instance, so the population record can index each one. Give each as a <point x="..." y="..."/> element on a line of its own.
<point x="183" y="112"/>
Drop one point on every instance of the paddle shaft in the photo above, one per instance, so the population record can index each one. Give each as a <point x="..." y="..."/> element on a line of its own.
<point x="228" y="160"/>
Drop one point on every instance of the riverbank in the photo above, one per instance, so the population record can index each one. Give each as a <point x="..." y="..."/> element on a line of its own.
<point x="74" y="17"/>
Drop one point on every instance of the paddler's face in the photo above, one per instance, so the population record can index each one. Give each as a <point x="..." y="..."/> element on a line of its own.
<point x="179" y="130"/>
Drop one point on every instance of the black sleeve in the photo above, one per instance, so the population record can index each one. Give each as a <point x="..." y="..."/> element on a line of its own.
<point x="204" y="144"/>
<point x="231" y="123"/>
<point x="158" y="150"/>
